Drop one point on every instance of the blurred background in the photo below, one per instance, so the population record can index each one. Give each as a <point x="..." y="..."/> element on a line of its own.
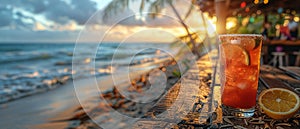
<point x="38" y="38"/>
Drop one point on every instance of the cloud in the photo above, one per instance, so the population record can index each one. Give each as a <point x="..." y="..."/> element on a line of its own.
<point x="6" y="16"/>
<point x="39" y="26"/>
<point x="65" y="11"/>
<point x="77" y="10"/>
<point x="62" y="12"/>
<point x="83" y="9"/>
<point x="134" y="17"/>
<point x="58" y="11"/>
<point x="126" y="17"/>
<point x="27" y="36"/>
<point x="37" y="6"/>
<point x="14" y="19"/>
<point x="32" y="20"/>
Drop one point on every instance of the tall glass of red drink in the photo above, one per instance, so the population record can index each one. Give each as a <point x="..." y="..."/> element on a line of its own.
<point x="239" y="71"/>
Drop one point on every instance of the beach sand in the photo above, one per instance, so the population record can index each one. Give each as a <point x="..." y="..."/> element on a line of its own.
<point x="76" y="117"/>
<point x="38" y="110"/>
<point x="43" y="107"/>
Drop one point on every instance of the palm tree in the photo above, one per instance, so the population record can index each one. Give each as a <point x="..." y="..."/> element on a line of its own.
<point x="155" y="8"/>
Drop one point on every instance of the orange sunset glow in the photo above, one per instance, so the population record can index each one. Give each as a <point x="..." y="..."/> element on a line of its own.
<point x="164" y="28"/>
<point x="117" y="28"/>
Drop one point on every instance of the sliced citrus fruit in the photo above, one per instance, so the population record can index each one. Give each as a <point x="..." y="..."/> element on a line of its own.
<point x="234" y="54"/>
<point x="279" y="103"/>
<point x="248" y="43"/>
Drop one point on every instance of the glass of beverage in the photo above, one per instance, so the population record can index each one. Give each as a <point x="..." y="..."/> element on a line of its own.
<point x="239" y="71"/>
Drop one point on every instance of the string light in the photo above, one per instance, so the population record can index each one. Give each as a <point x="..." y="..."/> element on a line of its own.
<point x="258" y="12"/>
<point x="296" y="19"/>
<point x="243" y="4"/>
<point x="266" y="1"/>
<point x="247" y="9"/>
<point x="256" y="1"/>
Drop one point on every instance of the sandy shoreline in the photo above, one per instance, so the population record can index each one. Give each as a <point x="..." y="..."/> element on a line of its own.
<point x="40" y="108"/>
<point x="37" y="110"/>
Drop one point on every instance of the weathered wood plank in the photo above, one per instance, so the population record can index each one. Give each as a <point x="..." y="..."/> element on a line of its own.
<point x="216" y="96"/>
<point x="293" y="71"/>
<point x="275" y="78"/>
<point x="201" y="110"/>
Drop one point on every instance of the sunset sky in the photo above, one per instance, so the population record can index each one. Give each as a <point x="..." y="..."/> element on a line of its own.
<point x="63" y="20"/>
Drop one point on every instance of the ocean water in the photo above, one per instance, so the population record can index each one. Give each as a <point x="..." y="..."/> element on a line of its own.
<point x="29" y="68"/>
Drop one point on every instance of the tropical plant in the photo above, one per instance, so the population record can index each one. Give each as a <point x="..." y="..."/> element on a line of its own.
<point x="155" y="8"/>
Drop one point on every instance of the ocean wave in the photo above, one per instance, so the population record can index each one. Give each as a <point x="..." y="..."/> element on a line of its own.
<point x="9" y="49"/>
<point x="26" y="58"/>
<point x="62" y="63"/>
<point x="67" y="53"/>
<point x="46" y="65"/>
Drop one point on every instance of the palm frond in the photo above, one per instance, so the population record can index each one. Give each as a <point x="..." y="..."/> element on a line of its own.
<point x="189" y="12"/>
<point x="142" y="5"/>
<point x="156" y="7"/>
<point x="114" y="7"/>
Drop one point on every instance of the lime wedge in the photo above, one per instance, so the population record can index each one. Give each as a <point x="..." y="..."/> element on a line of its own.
<point x="234" y="54"/>
<point x="248" y="44"/>
<point x="247" y="57"/>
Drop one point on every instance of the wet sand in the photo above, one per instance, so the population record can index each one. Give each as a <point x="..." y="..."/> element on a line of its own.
<point x="42" y="107"/>
<point x="39" y="109"/>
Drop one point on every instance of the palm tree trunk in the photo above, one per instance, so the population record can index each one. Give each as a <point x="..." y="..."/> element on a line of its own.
<point x="194" y="49"/>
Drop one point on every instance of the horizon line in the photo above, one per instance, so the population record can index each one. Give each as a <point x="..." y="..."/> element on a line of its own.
<point x="70" y="42"/>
